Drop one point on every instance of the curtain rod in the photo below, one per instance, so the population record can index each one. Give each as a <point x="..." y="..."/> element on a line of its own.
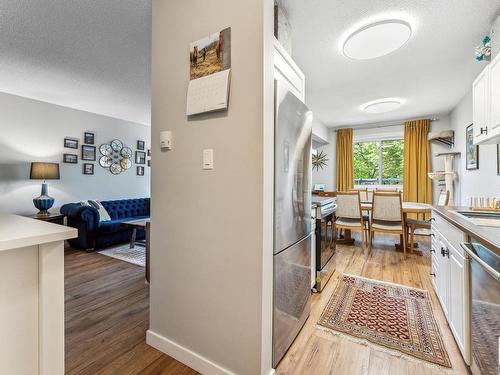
<point x="380" y="125"/>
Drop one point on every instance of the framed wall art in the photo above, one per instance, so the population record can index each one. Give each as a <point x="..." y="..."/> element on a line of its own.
<point x="71" y="143"/>
<point x="140" y="145"/>
<point x="88" y="153"/>
<point x="140" y="171"/>
<point x="471" y="151"/>
<point x="88" y="138"/>
<point x="70" y="158"/>
<point x="88" y="168"/>
<point x="140" y="157"/>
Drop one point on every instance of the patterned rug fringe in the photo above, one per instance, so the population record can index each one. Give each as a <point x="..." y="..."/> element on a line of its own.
<point x="385" y="350"/>
<point x="384" y="282"/>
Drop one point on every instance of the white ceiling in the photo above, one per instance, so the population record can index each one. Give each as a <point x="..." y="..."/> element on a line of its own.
<point x="433" y="71"/>
<point x="89" y="55"/>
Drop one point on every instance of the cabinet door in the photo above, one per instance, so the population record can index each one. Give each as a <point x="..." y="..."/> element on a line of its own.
<point x="495" y="97"/>
<point x="456" y="297"/>
<point x="435" y="273"/>
<point x="480" y="106"/>
<point x="444" y="278"/>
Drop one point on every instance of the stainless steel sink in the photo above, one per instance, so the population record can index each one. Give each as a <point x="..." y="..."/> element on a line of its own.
<point x="482" y="218"/>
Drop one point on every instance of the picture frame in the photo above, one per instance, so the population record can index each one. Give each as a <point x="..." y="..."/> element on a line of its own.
<point x="88" y="138"/>
<point x="88" y="153"/>
<point x="71" y="143"/>
<point x="149" y="162"/>
<point x="141" y="145"/>
<point x="498" y="159"/>
<point x="140" y="157"/>
<point x="70" y="158"/>
<point x="88" y="168"/>
<point x="471" y="151"/>
<point x="149" y="152"/>
<point x="140" y="171"/>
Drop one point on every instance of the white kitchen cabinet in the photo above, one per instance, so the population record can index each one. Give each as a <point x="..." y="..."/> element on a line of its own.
<point x="486" y="104"/>
<point x="451" y="280"/>
<point x="286" y="71"/>
<point x="480" y="105"/>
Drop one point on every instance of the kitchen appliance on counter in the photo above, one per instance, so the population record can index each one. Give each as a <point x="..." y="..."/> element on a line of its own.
<point x="292" y="219"/>
<point x="485" y="308"/>
<point x="325" y="244"/>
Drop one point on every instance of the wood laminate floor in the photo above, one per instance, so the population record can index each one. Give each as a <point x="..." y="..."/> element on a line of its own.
<point x="316" y="351"/>
<point x="107" y="315"/>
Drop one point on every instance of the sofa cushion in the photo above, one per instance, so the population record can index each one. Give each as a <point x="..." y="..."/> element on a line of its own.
<point x="117" y="225"/>
<point x="127" y="208"/>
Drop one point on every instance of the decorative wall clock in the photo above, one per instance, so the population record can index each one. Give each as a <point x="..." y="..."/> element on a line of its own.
<point x="115" y="156"/>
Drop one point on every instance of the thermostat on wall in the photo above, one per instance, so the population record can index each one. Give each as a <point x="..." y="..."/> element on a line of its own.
<point x="166" y="140"/>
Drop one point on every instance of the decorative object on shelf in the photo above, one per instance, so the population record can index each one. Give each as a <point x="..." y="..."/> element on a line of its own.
<point x="471" y="151"/>
<point x="71" y="143"/>
<point x="483" y="51"/>
<point x="140" y="145"/>
<point x="88" y="168"/>
<point x="140" y="171"/>
<point x="44" y="171"/>
<point x="88" y="138"/>
<point x="319" y="160"/>
<point x="70" y="158"/>
<point x="115" y="156"/>
<point x="140" y="157"/>
<point x="88" y="153"/>
<point x="448" y="175"/>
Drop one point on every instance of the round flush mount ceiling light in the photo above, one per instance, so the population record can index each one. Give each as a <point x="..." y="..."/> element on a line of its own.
<point x="382" y="105"/>
<point x="377" y="39"/>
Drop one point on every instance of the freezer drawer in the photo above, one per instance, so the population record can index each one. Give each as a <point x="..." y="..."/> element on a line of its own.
<point x="292" y="295"/>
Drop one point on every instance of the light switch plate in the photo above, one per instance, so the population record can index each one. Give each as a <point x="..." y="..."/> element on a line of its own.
<point x="208" y="159"/>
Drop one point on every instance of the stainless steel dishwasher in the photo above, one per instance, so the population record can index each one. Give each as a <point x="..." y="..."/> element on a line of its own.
<point x="485" y="308"/>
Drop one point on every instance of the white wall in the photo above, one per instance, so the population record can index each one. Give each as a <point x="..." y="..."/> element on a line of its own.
<point x="327" y="175"/>
<point x="34" y="131"/>
<point x="484" y="181"/>
<point x="208" y="238"/>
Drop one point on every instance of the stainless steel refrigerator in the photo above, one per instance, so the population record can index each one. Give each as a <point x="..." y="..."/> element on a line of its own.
<point x="292" y="219"/>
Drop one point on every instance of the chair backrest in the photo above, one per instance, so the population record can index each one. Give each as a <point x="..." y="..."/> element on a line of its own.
<point x="387" y="190"/>
<point x="444" y="197"/>
<point x="387" y="206"/>
<point x="348" y="205"/>
<point x="363" y="194"/>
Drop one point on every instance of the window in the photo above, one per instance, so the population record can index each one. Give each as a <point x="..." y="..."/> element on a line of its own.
<point x="378" y="162"/>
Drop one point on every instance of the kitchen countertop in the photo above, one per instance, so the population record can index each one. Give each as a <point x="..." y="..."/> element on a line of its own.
<point x="486" y="236"/>
<point x="18" y="231"/>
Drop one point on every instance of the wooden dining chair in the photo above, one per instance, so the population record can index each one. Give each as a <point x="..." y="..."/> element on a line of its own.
<point x="387" y="190"/>
<point x="348" y="215"/>
<point x="387" y="216"/>
<point x="363" y="194"/>
<point x="414" y="224"/>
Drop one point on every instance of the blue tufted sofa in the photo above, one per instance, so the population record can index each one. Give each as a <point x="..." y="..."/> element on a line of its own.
<point x="93" y="234"/>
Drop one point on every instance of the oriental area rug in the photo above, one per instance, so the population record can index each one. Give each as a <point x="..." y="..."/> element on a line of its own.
<point x="391" y="315"/>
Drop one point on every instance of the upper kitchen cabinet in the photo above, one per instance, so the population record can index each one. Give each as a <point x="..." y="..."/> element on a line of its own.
<point x="486" y="104"/>
<point x="286" y="71"/>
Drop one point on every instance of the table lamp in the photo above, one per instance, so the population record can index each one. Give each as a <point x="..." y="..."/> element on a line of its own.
<point x="44" y="171"/>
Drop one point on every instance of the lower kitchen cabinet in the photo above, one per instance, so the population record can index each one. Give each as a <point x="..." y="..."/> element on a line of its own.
<point x="450" y="274"/>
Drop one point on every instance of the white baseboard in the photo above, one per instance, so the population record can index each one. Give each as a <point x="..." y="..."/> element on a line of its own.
<point x="184" y="355"/>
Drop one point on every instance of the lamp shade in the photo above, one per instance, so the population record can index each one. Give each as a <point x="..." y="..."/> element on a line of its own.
<point x="44" y="171"/>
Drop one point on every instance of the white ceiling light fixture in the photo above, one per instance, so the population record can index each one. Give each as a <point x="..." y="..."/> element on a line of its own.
<point x="382" y="105"/>
<point x="377" y="39"/>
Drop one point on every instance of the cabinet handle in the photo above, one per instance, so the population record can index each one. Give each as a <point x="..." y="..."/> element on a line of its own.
<point x="483" y="131"/>
<point x="433" y="251"/>
<point x="433" y="274"/>
<point x="442" y="251"/>
<point x="432" y="219"/>
<point x="433" y="234"/>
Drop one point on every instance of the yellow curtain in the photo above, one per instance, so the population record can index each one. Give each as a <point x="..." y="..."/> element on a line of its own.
<point x="345" y="179"/>
<point x="417" y="185"/>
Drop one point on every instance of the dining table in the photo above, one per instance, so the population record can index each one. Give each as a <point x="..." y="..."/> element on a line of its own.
<point x="407" y="207"/>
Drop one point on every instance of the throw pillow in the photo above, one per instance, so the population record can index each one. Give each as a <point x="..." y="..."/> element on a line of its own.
<point x="103" y="214"/>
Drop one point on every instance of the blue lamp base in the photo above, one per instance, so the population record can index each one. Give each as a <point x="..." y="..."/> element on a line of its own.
<point x="44" y="202"/>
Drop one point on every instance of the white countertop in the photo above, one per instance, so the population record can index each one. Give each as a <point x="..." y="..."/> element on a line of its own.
<point x="18" y="231"/>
